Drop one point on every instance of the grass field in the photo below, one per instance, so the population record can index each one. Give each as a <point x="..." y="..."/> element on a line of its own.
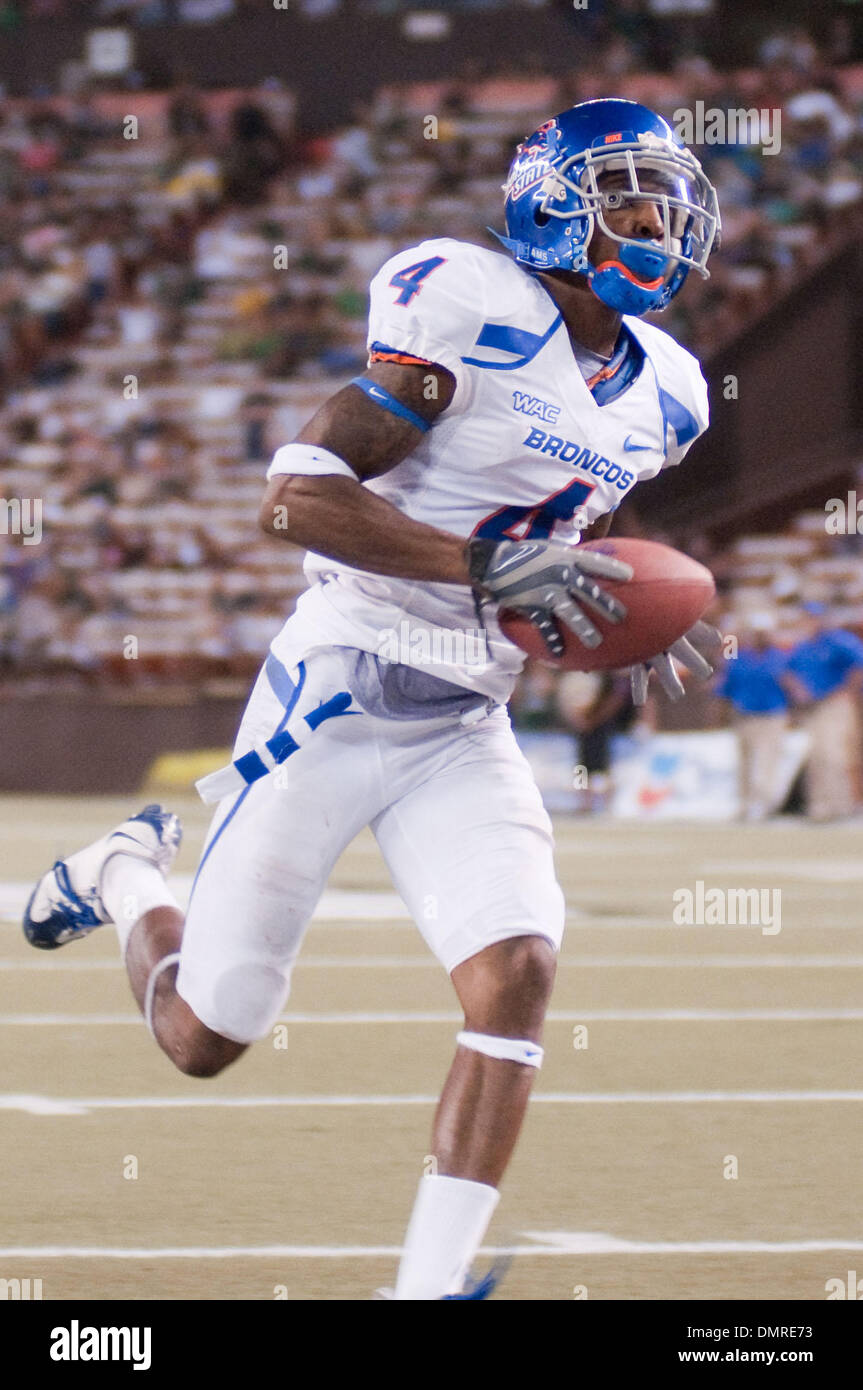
<point x="295" y="1170"/>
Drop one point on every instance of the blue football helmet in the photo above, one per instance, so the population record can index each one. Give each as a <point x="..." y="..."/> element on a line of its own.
<point x="598" y="157"/>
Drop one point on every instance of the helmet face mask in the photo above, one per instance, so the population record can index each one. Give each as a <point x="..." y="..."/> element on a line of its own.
<point x="688" y="202"/>
<point x="581" y="169"/>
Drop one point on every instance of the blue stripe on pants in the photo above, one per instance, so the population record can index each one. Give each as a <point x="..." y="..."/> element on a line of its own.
<point x="295" y="692"/>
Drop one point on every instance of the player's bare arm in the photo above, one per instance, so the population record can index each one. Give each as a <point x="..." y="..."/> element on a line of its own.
<point x="338" y="517"/>
<point x="373" y="440"/>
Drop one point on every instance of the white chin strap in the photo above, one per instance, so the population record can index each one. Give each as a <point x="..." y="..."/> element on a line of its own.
<point x="503" y="1049"/>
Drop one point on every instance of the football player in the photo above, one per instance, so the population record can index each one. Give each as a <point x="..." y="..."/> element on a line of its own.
<point x="512" y="400"/>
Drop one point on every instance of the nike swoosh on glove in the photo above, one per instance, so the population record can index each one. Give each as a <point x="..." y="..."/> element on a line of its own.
<point x="701" y="641"/>
<point x="549" y="583"/>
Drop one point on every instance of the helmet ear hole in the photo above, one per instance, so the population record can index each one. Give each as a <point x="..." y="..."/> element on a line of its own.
<point x="541" y="219"/>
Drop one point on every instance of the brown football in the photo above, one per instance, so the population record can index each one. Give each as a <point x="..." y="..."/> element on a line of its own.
<point x="668" y="592"/>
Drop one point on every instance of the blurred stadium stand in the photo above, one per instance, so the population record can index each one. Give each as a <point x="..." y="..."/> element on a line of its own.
<point x="153" y="355"/>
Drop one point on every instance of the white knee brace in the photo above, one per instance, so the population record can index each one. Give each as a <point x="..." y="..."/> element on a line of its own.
<point x="504" y="1049"/>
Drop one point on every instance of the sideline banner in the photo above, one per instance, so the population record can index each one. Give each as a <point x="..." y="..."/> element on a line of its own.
<point x="690" y="776"/>
<point x="672" y="776"/>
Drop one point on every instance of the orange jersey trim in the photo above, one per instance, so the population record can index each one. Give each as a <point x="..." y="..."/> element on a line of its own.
<point x="403" y="358"/>
<point x="604" y="373"/>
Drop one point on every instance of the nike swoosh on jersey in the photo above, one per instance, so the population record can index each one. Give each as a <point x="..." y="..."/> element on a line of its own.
<point x="632" y="448"/>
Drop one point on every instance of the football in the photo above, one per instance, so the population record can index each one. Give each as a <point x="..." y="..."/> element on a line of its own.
<point x="668" y="592"/>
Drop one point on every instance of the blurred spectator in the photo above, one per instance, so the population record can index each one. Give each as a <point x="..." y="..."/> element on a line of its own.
<point x="187" y="115"/>
<point x="253" y="156"/>
<point x="534" y="701"/>
<point x="823" y="676"/>
<point x="193" y="177"/>
<point x="138" y="320"/>
<point x="596" y="707"/>
<point x="204" y="11"/>
<point x="100" y="260"/>
<point x="256" y="413"/>
<point x="751" y="683"/>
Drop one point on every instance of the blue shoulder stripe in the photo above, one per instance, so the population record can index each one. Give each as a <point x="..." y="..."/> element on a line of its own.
<point x="683" y="423"/>
<point x="502" y="338"/>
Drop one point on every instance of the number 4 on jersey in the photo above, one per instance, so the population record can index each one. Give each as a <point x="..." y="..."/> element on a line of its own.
<point x="409" y="280"/>
<point x="536" y="522"/>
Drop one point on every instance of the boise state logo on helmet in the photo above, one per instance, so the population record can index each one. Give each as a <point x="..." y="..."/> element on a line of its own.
<point x="599" y="157"/>
<point x="533" y="160"/>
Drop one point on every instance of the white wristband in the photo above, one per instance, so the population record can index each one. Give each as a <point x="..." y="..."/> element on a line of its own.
<point x="309" y="459"/>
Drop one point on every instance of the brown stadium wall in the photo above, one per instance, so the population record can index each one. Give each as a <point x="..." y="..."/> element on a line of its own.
<point x="81" y="742"/>
<point x="795" y="431"/>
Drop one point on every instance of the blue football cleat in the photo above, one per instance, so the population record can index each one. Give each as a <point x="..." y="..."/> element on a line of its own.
<point x="476" y="1289"/>
<point x="67" y="904"/>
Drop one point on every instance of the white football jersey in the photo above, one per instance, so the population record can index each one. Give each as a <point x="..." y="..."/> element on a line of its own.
<point x="524" y="450"/>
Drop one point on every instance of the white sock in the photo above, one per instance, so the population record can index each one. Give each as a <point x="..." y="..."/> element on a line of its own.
<point x="449" y="1219"/>
<point x="129" y="888"/>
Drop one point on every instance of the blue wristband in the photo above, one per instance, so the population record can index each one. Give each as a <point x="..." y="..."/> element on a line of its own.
<point x="389" y="402"/>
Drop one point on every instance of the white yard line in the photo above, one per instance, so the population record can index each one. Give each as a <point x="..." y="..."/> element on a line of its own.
<point x="77" y="1106"/>
<point x="340" y="1017"/>
<point x="417" y="962"/>
<point x="554" y="1243"/>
